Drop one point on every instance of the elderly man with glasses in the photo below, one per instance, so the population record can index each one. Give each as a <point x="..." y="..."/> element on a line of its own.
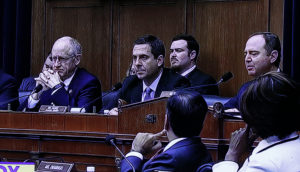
<point x="66" y="84"/>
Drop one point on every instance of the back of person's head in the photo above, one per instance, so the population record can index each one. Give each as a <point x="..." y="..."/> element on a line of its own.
<point x="157" y="45"/>
<point x="192" y="44"/>
<point x="269" y="105"/>
<point x="272" y="43"/>
<point x="186" y="112"/>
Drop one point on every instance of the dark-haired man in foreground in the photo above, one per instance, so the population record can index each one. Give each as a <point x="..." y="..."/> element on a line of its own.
<point x="183" y="123"/>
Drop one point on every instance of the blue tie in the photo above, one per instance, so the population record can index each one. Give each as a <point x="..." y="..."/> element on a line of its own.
<point x="148" y="94"/>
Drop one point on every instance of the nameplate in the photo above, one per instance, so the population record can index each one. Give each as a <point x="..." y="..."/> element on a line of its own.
<point x="50" y="108"/>
<point x="54" y="166"/>
<point x="167" y="93"/>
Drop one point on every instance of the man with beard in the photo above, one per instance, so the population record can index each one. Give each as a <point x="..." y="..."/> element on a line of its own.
<point x="184" y="51"/>
<point x="66" y="84"/>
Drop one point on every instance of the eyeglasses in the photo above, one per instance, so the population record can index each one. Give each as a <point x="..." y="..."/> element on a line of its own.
<point x="60" y="59"/>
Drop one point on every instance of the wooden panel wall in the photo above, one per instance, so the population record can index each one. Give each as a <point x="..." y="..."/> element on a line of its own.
<point x="107" y="29"/>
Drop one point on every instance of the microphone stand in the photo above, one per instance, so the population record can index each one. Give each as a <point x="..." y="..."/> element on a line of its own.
<point x="111" y="139"/>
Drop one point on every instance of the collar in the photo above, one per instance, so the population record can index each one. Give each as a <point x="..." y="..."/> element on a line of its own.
<point x="154" y="84"/>
<point x="68" y="80"/>
<point x="173" y="142"/>
<point x="273" y="140"/>
<point x="188" y="71"/>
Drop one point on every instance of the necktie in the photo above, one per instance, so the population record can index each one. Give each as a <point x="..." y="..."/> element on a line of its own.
<point x="148" y="94"/>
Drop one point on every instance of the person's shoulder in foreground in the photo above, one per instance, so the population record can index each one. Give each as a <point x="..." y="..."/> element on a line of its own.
<point x="8" y="91"/>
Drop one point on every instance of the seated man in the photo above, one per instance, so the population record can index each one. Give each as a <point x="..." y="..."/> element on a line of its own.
<point x="8" y="91"/>
<point x="269" y="107"/>
<point x="151" y="77"/>
<point x="66" y="84"/>
<point x="262" y="54"/>
<point x="184" y="51"/>
<point x="184" y="119"/>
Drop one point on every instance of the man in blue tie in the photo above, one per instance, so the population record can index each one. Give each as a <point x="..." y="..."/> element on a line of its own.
<point x="184" y="119"/>
<point x="151" y="77"/>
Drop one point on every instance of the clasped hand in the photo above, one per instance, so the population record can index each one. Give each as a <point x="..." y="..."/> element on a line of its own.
<point x="48" y="79"/>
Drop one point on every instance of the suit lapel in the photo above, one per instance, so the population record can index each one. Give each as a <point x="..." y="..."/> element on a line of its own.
<point x="161" y="83"/>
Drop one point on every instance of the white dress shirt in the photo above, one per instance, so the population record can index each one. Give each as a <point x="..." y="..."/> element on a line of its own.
<point x="270" y="155"/>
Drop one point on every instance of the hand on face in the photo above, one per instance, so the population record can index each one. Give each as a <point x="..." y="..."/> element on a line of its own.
<point x="240" y="143"/>
<point x="50" y="78"/>
<point x="147" y="142"/>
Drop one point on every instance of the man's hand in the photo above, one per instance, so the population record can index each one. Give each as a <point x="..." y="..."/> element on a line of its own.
<point x="50" y="78"/>
<point x="239" y="144"/>
<point x="145" y="143"/>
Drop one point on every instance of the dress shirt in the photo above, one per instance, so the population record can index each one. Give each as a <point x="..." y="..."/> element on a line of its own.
<point x="153" y="86"/>
<point x="260" y="160"/>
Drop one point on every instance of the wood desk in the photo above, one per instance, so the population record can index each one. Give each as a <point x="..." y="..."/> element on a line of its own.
<point x="80" y="138"/>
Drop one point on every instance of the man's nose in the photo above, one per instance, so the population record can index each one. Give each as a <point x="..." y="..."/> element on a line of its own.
<point x="248" y="58"/>
<point x="137" y="62"/>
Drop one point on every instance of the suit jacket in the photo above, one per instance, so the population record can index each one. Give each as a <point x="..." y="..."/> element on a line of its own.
<point x="28" y="84"/>
<point x="132" y="88"/>
<point x="197" y="77"/>
<point x="271" y="154"/>
<point x="234" y="102"/>
<point x="83" y="89"/>
<point x="8" y="90"/>
<point x="185" y="155"/>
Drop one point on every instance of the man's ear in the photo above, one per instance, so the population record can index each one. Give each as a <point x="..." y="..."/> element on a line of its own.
<point x="160" y="60"/>
<point x="77" y="59"/>
<point x="273" y="56"/>
<point x="166" y="125"/>
<point x="193" y="55"/>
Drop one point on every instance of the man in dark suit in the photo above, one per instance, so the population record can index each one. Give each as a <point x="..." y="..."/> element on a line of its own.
<point x="8" y="91"/>
<point x="184" y="51"/>
<point x="184" y="119"/>
<point x="148" y="59"/>
<point x="262" y="54"/>
<point x="66" y="84"/>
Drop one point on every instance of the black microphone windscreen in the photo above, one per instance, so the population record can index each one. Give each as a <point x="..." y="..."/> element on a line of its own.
<point x="109" y="138"/>
<point x="38" y="88"/>
<point x="117" y="86"/>
<point x="227" y="76"/>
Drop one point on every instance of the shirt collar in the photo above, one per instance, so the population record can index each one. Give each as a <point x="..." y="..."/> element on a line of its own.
<point x="173" y="142"/>
<point x="154" y="84"/>
<point x="188" y="71"/>
<point x="68" y="80"/>
<point x="272" y="140"/>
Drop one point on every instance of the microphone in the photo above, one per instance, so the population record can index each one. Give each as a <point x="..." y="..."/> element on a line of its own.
<point x="110" y="139"/>
<point x="116" y="87"/>
<point x="224" y="78"/>
<point x="227" y="76"/>
<point x="37" y="89"/>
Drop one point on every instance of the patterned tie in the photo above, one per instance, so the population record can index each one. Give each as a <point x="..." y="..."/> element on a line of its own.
<point x="148" y="94"/>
